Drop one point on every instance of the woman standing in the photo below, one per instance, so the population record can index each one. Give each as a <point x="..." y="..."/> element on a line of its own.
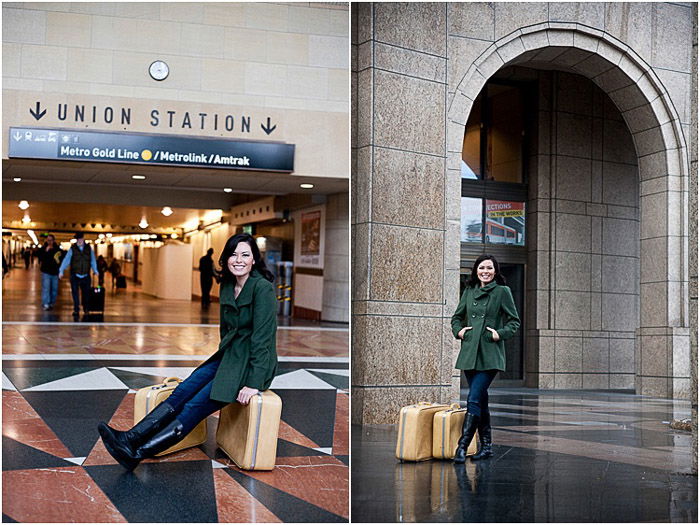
<point x="244" y="364"/>
<point x="484" y="319"/>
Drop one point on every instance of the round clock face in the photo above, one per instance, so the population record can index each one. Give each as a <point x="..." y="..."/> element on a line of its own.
<point x="159" y="70"/>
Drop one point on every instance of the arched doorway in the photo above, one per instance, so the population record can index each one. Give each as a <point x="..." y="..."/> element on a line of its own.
<point x="661" y="340"/>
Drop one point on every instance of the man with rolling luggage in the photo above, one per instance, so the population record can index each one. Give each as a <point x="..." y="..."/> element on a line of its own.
<point x="81" y="259"/>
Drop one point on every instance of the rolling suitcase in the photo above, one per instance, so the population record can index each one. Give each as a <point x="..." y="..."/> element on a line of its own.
<point x="95" y="303"/>
<point x="447" y="429"/>
<point x="415" y="439"/>
<point x="248" y="433"/>
<point x="151" y="396"/>
<point x="121" y="281"/>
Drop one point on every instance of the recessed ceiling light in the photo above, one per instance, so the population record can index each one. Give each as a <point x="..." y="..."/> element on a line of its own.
<point x="138" y="177"/>
<point x="23" y="205"/>
<point x="167" y="211"/>
<point x="17" y="179"/>
<point x="306" y="186"/>
<point x="109" y="235"/>
<point x="173" y="235"/>
<point x="143" y="223"/>
<point x="26" y="218"/>
<point x="228" y="190"/>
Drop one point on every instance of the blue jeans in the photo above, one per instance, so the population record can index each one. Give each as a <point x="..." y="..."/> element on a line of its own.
<point x="49" y="288"/>
<point x="190" y="399"/>
<point x="78" y="285"/>
<point x="478" y="398"/>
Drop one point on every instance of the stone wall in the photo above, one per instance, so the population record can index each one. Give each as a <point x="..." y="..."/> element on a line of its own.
<point x="336" y="267"/>
<point x="583" y="211"/>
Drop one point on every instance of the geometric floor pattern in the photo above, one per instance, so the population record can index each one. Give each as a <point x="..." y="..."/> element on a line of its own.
<point x="61" y="378"/>
<point x="559" y="456"/>
<point x="55" y="467"/>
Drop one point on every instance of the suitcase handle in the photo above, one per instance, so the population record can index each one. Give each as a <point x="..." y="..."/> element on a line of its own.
<point x="172" y="379"/>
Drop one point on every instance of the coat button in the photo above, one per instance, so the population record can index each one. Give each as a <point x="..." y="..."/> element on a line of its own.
<point x="473" y="315"/>
<point x="475" y="304"/>
<point x="482" y="316"/>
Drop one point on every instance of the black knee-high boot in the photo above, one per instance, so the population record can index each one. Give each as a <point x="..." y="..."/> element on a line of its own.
<point x="123" y="444"/>
<point x="157" y="443"/>
<point x="484" y="438"/>
<point x="469" y="427"/>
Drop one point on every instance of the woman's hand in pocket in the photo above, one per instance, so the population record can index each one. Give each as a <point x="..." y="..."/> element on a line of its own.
<point x="494" y="334"/>
<point x="245" y="394"/>
<point x="463" y="331"/>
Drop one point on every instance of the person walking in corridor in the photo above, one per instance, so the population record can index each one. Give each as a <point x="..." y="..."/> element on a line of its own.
<point x="207" y="273"/>
<point x="49" y="261"/>
<point x="81" y="259"/>
<point x="102" y="269"/>
<point x="27" y="256"/>
<point x="485" y="317"/>
<point x="244" y="364"/>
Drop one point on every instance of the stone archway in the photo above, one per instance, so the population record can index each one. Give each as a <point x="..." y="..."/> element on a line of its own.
<point x="662" y="336"/>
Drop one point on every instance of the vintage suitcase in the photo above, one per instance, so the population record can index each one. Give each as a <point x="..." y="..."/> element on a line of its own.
<point x="248" y="433"/>
<point x="151" y="396"/>
<point x="415" y="438"/>
<point x="447" y="429"/>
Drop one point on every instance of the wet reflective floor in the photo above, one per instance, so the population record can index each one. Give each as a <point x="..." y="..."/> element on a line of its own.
<point x="563" y="456"/>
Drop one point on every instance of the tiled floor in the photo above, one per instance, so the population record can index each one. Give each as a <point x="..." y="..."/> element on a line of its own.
<point x="61" y="379"/>
<point x="560" y="456"/>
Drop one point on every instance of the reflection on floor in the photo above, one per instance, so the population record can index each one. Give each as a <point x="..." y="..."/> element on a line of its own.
<point x="559" y="457"/>
<point x="60" y="380"/>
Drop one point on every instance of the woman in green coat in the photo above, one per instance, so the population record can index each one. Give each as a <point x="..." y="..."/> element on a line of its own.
<point x="244" y="364"/>
<point x="485" y="317"/>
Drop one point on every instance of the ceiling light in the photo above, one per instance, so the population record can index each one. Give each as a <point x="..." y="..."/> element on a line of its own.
<point x="173" y="235"/>
<point x="33" y="236"/>
<point x="306" y="186"/>
<point x="143" y="223"/>
<point x="167" y="211"/>
<point x="154" y="236"/>
<point x="109" y="235"/>
<point x="138" y="177"/>
<point x="26" y="218"/>
<point x="23" y="205"/>
<point x="228" y="190"/>
<point x="101" y="236"/>
<point x="17" y="179"/>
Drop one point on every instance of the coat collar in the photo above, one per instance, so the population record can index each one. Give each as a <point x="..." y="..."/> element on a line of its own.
<point x="484" y="290"/>
<point x="228" y="296"/>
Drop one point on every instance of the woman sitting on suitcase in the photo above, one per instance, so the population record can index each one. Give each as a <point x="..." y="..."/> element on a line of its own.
<point x="485" y="317"/>
<point x="244" y="364"/>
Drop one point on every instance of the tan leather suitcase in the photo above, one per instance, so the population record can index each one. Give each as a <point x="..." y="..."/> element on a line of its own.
<point x="447" y="429"/>
<point x="248" y="433"/>
<point x="150" y="397"/>
<point x="415" y="439"/>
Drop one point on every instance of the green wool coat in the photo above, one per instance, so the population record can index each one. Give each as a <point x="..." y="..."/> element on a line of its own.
<point x="248" y="329"/>
<point x="492" y="306"/>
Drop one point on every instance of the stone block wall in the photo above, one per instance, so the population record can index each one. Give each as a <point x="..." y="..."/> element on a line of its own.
<point x="583" y="271"/>
<point x="401" y="351"/>
<point x="336" y="273"/>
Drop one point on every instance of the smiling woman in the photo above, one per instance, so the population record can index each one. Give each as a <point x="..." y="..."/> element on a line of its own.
<point x="244" y="364"/>
<point x="485" y="317"/>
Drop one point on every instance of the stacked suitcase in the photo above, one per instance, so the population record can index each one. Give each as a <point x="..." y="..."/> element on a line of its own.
<point x="431" y="430"/>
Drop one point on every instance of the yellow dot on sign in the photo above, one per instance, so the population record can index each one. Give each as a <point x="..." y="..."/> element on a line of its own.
<point x="146" y="154"/>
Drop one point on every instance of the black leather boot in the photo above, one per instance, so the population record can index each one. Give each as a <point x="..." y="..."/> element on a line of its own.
<point x="469" y="427"/>
<point x="485" y="450"/>
<point x="123" y="444"/>
<point x="166" y="438"/>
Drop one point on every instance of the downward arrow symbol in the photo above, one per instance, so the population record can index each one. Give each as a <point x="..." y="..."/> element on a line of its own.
<point x="36" y="114"/>
<point x="268" y="129"/>
<point x="17" y="136"/>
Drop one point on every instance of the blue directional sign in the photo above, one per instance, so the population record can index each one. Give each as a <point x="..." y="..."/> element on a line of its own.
<point x="143" y="148"/>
